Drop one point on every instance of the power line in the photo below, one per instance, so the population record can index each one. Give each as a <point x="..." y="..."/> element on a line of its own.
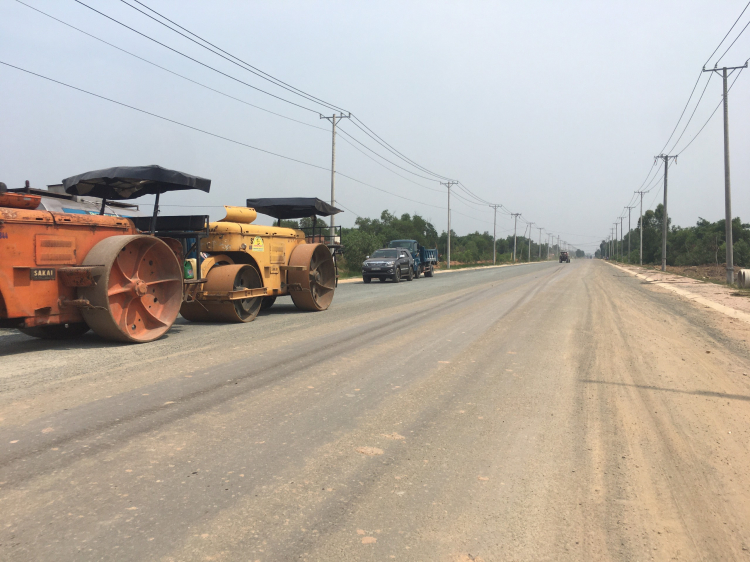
<point x="384" y="166"/>
<point x="195" y="60"/>
<point x="359" y="123"/>
<point x="733" y="42"/>
<point x="171" y="71"/>
<point x="243" y="62"/>
<point x="385" y="191"/>
<point x="467" y="190"/>
<point x="241" y="101"/>
<point x="710" y="117"/>
<point x="735" y="39"/>
<point x="699" y="77"/>
<point x="697" y="104"/>
<point x="244" y="65"/>
<point x="163" y="118"/>
<point x="683" y="112"/>
<point x="215" y="135"/>
<point x="338" y="202"/>
<point x="341" y="130"/>
<point x="692" y="92"/>
<point x="367" y="130"/>
<point x="373" y="135"/>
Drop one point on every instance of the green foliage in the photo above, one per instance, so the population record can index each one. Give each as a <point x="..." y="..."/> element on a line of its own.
<point x="305" y="222"/>
<point x="358" y="244"/>
<point x="704" y="243"/>
<point x="580" y="254"/>
<point x="371" y="234"/>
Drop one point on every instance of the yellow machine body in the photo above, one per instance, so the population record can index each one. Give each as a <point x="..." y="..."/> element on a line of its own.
<point x="268" y="248"/>
<point x="248" y="266"/>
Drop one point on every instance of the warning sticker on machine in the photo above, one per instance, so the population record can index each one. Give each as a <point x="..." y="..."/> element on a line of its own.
<point x="258" y="244"/>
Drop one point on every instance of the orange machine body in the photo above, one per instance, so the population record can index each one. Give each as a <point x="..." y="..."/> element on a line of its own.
<point x="40" y="263"/>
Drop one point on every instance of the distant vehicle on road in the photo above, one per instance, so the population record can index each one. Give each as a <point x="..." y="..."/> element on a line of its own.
<point x="425" y="261"/>
<point x="564" y="257"/>
<point x="388" y="263"/>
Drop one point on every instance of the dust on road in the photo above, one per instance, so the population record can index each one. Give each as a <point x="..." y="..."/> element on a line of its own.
<point x="551" y="411"/>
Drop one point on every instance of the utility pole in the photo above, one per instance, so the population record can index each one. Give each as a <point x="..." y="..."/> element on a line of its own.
<point x="515" y="222"/>
<point x="614" y="242"/>
<point x="622" y="240"/>
<point x="540" y="243"/>
<point x="727" y="184"/>
<point x="629" y="233"/>
<point x="618" y="246"/>
<point x="531" y="224"/>
<point x="640" y="227"/>
<point x="494" y="235"/>
<point x="448" y="184"/>
<point x="665" y="227"/>
<point x="333" y="119"/>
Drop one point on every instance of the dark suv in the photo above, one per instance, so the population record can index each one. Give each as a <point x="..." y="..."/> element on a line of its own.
<point x="388" y="263"/>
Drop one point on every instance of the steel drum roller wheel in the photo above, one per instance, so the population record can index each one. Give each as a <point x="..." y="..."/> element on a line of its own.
<point x="312" y="289"/>
<point x="138" y="296"/>
<point x="224" y="278"/>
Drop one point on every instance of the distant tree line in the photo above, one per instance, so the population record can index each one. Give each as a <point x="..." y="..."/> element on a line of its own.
<point x="702" y="244"/>
<point x="370" y="234"/>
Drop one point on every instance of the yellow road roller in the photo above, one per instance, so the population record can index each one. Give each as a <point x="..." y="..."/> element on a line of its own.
<point x="246" y="266"/>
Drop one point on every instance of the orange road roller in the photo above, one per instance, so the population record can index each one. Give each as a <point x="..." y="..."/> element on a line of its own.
<point x="127" y="278"/>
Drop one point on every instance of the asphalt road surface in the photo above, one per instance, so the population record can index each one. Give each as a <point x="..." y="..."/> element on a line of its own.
<point x="540" y="412"/>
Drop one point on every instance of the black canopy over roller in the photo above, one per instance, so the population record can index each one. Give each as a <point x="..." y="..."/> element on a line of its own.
<point x="129" y="182"/>
<point x="285" y="208"/>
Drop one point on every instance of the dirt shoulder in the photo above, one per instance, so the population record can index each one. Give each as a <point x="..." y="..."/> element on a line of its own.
<point x="727" y="300"/>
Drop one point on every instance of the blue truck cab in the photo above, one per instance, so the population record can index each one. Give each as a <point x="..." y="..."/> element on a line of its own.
<point x="425" y="261"/>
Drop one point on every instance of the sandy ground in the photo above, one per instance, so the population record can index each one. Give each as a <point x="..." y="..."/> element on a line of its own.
<point x="548" y="412"/>
<point x="691" y="288"/>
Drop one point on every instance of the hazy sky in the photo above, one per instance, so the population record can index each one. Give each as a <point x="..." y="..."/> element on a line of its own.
<point x="553" y="109"/>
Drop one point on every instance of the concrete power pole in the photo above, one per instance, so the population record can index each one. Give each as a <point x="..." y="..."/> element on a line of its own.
<point x="334" y="119"/>
<point x="448" y="184"/>
<point x="665" y="226"/>
<point x="622" y="241"/>
<point x="727" y="184"/>
<point x="515" y="222"/>
<point x="531" y="224"/>
<point x="540" y="244"/>
<point x="629" y="208"/>
<point x="494" y="235"/>
<point x="614" y="242"/>
<point x="640" y="227"/>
